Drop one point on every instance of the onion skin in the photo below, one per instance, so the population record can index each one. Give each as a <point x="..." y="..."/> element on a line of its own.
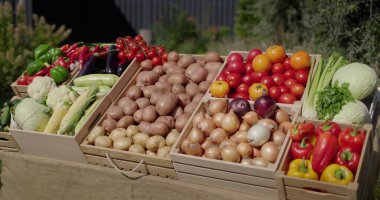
<point x="256" y="152"/>
<point x="196" y="135"/>
<point x="246" y="161"/>
<point x="245" y="150"/>
<point x="285" y="126"/>
<point x="218" y="135"/>
<point x="207" y="144"/>
<point x="230" y="122"/>
<point x="265" y="106"/>
<point x="213" y="152"/>
<point x="278" y="137"/>
<point x="244" y="126"/>
<point x="216" y="106"/>
<point x="227" y="143"/>
<point x="198" y="118"/>
<point x="240" y="106"/>
<point x="172" y="137"/>
<point x="281" y="116"/>
<point x="271" y="124"/>
<point x="217" y="118"/>
<point x="259" y="161"/>
<point x="206" y="126"/>
<point x="269" y="151"/>
<point x="258" y="135"/>
<point x="251" y="117"/>
<point x="193" y="149"/>
<point x="231" y="154"/>
<point x="240" y="137"/>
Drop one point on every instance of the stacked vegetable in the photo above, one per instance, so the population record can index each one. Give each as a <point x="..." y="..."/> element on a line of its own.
<point x="154" y="110"/>
<point x="235" y="133"/>
<point x="5" y="114"/>
<point x="325" y="153"/>
<point x="271" y="73"/>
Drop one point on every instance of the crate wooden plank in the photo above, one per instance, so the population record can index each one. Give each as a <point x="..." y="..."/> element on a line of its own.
<point x="7" y="141"/>
<point x="294" y="193"/>
<point x="258" y="192"/>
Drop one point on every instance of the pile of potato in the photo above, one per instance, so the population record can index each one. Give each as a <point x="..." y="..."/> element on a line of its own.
<point x="161" y="102"/>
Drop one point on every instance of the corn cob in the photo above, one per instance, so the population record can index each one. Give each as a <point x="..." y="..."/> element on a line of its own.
<point x="86" y="116"/>
<point x="55" y="120"/>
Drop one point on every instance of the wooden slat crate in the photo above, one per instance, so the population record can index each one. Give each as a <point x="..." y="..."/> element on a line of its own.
<point x="229" y="175"/>
<point x="7" y="142"/>
<point x="295" y="188"/>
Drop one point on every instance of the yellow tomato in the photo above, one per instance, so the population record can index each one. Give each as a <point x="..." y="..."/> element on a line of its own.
<point x="219" y="89"/>
<point x="257" y="90"/>
<point x="300" y="60"/>
<point x="261" y="63"/>
<point x="276" y="53"/>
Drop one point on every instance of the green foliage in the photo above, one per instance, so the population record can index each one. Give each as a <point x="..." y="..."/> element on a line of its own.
<point x="17" y="43"/>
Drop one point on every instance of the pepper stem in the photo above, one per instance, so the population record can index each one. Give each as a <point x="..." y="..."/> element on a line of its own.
<point x="326" y="126"/>
<point x="346" y="155"/>
<point x="303" y="143"/>
<point x="355" y="131"/>
<point x="294" y="131"/>
<point x="302" y="167"/>
<point x="340" y="174"/>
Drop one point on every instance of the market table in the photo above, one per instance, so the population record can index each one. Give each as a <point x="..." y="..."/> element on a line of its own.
<point x="35" y="178"/>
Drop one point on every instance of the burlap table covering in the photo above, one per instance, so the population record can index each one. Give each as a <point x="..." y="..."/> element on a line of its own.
<point x="34" y="178"/>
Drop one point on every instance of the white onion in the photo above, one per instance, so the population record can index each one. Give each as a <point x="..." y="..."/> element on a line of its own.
<point x="258" y="135"/>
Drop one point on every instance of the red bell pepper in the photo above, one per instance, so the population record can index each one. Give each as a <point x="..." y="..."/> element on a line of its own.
<point x="299" y="131"/>
<point x="302" y="150"/>
<point x="62" y="62"/>
<point x="23" y="79"/>
<point x="349" y="158"/>
<point x="82" y="55"/>
<point x="324" y="152"/>
<point x="30" y="79"/>
<point x="330" y="127"/>
<point x="71" y="49"/>
<point x="65" y="47"/>
<point x="44" y="71"/>
<point x="353" y="138"/>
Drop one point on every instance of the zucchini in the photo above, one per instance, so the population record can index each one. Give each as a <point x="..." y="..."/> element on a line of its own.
<point x="96" y="79"/>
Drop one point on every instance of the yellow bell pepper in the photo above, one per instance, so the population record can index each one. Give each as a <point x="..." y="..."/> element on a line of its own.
<point x="337" y="174"/>
<point x="301" y="168"/>
<point x="313" y="139"/>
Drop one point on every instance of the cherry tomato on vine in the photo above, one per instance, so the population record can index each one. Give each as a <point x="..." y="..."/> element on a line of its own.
<point x="156" y="61"/>
<point x="140" y="56"/>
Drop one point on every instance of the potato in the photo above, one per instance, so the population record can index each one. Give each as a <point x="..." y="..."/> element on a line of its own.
<point x="125" y="122"/>
<point x="168" y="65"/>
<point x="123" y="101"/>
<point x="144" y="127"/>
<point x="138" y="116"/>
<point x="118" y="132"/>
<point x="122" y="143"/>
<point x="199" y="75"/>
<point x="159" y="69"/>
<point x="133" y="92"/>
<point x="166" y="104"/>
<point x="149" y="113"/>
<point x="172" y="137"/>
<point x="164" y="78"/>
<point x="115" y="112"/>
<point x="164" y="152"/>
<point x="197" y="98"/>
<point x="146" y="65"/>
<point x="95" y="132"/>
<point x="148" y="90"/>
<point x="211" y="76"/>
<point x="155" y="142"/>
<point x="191" y="69"/>
<point x="178" y="88"/>
<point x="212" y="57"/>
<point x="154" y="97"/>
<point x="173" y="56"/>
<point x="130" y="107"/>
<point x="163" y="87"/>
<point x="140" y="138"/>
<point x="142" y="102"/>
<point x="184" y="99"/>
<point x="181" y="121"/>
<point x="177" y="112"/>
<point x="175" y="69"/>
<point x="201" y="61"/>
<point x="159" y="128"/>
<point x="103" y="141"/>
<point x="192" y="89"/>
<point x="168" y="120"/>
<point x="132" y="130"/>
<point x="186" y="60"/>
<point x="136" y="148"/>
<point x="213" y="66"/>
<point x="149" y="78"/>
<point x="177" y="78"/>
<point x="191" y="107"/>
<point x="203" y="86"/>
<point x="109" y="125"/>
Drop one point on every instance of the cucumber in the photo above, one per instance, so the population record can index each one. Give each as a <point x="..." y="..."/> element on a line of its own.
<point x="96" y="79"/>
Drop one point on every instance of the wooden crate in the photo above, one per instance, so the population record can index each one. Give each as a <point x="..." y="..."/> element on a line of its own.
<point x="7" y="142"/>
<point x="228" y="175"/>
<point x="295" y="188"/>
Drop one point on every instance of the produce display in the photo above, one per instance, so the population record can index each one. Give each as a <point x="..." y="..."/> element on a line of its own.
<point x="5" y="114"/>
<point x="270" y="73"/>
<point x="234" y="132"/>
<point x="149" y="116"/>
<point x="325" y="152"/>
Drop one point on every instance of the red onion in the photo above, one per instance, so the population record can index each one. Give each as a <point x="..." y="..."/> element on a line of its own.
<point x="240" y="106"/>
<point x="265" y="106"/>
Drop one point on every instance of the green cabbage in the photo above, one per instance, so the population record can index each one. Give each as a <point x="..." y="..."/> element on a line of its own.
<point x="352" y="112"/>
<point x="30" y="115"/>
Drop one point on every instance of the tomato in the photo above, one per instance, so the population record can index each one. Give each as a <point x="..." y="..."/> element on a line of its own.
<point x="257" y="76"/>
<point x="286" y="63"/>
<point x="278" y="68"/>
<point x="128" y="38"/>
<point x="261" y="63"/>
<point x="221" y="77"/>
<point x="142" y="43"/>
<point x="138" y="38"/>
<point x="289" y="83"/>
<point x="268" y="81"/>
<point x="290" y="73"/>
<point x="252" y="54"/>
<point x="247" y="79"/>
<point x="287" y="98"/>
<point x="156" y="61"/>
<point x="257" y="90"/>
<point x="248" y="68"/>
<point x="119" y="40"/>
<point x="300" y="60"/>
<point x="234" y="79"/>
<point x="151" y="54"/>
<point x="301" y="76"/>
<point x="226" y="72"/>
<point x="120" y="46"/>
<point x="160" y="50"/>
<point x="241" y="95"/>
<point x="135" y="47"/>
<point x="297" y="89"/>
<point x="219" y="89"/>
<point x="276" y="53"/>
<point x="275" y="92"/>
<point x="242" y="88"/>
<point x="130" y="55"/>
<point x="122" y="55"/>
<point x="283" y="89"/>
<point x="23" y="79"/>
<point x="236" y="66"/>
<point x="235" y="56"/>
<point x="278" y="79"/>
<point x="164" y="57"/>
<point x="140" y="56"/>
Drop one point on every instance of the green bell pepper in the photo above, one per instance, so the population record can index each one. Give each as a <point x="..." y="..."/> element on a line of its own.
<point x="34" y="67"/>
<point x="51" y="56"/>
<point x="41" y="50"/>
<point x="59" y="74"/>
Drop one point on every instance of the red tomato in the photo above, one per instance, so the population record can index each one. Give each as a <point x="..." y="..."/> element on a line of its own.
<point x="140" y="56"/>
<point x="151" y="54"/>
<point x="122" y="55"/>
<point x="278" y="68"/>
<point x="156" y="61"/>
<point x="242" y="88"/>
<point x="128" y="38"/>
<point x="252" y="54"/>
<point x="235" y="56"/>
<point x="142" y="43"/>
<point x="130" y="55"/>
<point x="241" y="95"/>
<point x="275" y="92"/>
<point x="160" y="50"/>
<point x="301" y="76"/>
<point x="248" y="79"/>
<point x="164" y="57"/>
<point x="236" y="66"/>
<point x="119" y="40"/>
<point x="287" y="98"/>
<point x="226" y="72"/>
<point x="290" y="73"/>
<point x="135" y="47"/>
<point x="234" y="79"/>
<point x="286" y="63"/>
<point x="289" y="83"/>
<point x="138" y="38"/>
<point x="23" y="79"/>
<point x="120" y="46"/>
<point x="278" y="79"/>
<point x="248" y="68"/>
<point x="284" y="89"/>
<point x="221" y="77"/>
<point x="257" y="76"/>
<point x="268" y="81"/>
<point x="297" y="89"/>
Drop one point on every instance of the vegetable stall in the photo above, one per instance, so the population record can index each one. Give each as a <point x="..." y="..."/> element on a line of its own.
<point x="279" y="124"/>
